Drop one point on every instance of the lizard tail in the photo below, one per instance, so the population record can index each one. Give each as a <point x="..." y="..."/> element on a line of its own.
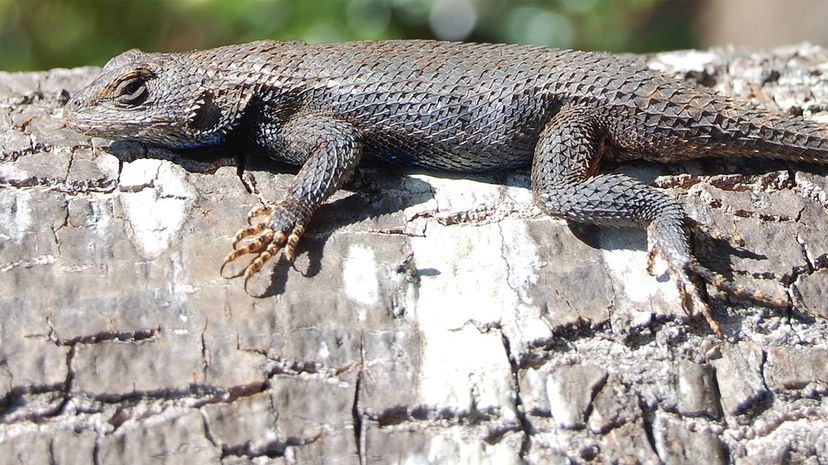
<point x="767" y="135"/>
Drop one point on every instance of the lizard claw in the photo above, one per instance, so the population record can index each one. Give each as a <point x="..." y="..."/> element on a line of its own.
<point x="257" y="263"/>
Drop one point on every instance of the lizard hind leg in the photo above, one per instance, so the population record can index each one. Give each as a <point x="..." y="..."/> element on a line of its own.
<point x="567" y="154"/>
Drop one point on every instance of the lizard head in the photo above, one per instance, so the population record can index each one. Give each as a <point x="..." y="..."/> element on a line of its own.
<point x="157" y="98"/>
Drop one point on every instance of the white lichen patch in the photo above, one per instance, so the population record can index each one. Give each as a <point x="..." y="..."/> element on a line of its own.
<point x="15" y="215"/>
<point x="138" y="174"/>
<point x="520" y="195"/>
<point x="10" y="173"/>
<point x="156" y="199"/>
<point x="465" y="369"/>
<point x="628" y="270"/>
<point x="464" y="194"/>
<point x="521" y="253"/>
<point x="682" y="61"/>
<point x="172" y="181"/>
<point x="324" y="353"/>
<point x="463" y="363"/>
<point x="810" y="189"/>
<point x="453" y="195"/>
<point x="454" y="446"/>
<point x="360" y="275"/>
<point x="463" y="275"/>
<point x="564" y="411"/>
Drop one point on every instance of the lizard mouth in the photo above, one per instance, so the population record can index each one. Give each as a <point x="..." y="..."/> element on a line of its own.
<point x="75" y="118"/>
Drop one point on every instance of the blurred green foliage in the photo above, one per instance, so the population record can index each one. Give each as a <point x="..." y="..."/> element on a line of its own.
<point x="39" y="34"/>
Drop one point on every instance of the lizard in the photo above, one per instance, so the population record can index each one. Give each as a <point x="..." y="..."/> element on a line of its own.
<point x="450" y="106"/>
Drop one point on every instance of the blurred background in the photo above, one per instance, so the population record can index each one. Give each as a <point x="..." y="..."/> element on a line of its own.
<point x="40" y="34"/>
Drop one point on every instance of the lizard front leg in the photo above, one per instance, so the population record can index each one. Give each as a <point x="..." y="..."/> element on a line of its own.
<point x="331" y="149"/>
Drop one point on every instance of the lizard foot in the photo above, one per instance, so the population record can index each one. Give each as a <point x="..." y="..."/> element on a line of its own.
<point x="691" y="287"/>
<point x="280" y="233"/>
<point x="723" y="286"/>
<point x="692" y="280"/>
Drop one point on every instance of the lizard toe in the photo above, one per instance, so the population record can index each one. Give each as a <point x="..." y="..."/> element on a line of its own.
<point x="697" y="300"/>
<point x="694" y="297"/>
<point x="293" y="240"/>
<point x="257" y="263"/>
<point x="258" y="210"/>
<point x="681" y="267"/>
<point x="281" y="232"/>
<point x="257" y="245"/>
<point x="249" y="231"/>
<point x="729" y="289"/>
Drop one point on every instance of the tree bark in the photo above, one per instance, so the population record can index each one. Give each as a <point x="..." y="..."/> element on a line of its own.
<point x="428" y="318"/>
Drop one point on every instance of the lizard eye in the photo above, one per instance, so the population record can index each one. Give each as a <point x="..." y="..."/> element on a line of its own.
<point x="132" y="92"/>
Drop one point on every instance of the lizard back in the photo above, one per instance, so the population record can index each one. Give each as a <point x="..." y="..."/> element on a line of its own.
<point x="475" y="107"/>
<point x="443" y="105"/>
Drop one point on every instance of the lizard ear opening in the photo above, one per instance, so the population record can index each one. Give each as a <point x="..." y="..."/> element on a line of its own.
<point x="205" y="115"/>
